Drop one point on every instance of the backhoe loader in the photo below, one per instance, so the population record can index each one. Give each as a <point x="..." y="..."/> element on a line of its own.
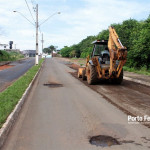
<point x="106" y="61"/>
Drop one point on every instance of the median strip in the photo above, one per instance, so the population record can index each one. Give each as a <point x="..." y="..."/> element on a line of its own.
<point x="12" y="99"/>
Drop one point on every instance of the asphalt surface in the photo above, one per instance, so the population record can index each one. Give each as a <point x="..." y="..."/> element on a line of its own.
<point x="61" y="113"/>
<point x="131" y="97"/>
<point x="11" y="74"/>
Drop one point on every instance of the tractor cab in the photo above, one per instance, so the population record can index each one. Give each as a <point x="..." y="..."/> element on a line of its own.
<point x="100" y="50"/>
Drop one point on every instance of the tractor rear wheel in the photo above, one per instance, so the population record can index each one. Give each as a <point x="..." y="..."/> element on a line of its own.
<point x="91" y="74"/>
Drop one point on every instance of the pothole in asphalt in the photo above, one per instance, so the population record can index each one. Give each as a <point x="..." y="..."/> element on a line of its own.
<point x="53" y="85"/>
<point x="103" y="141"/>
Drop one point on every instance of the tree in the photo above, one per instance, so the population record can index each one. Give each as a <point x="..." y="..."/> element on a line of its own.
<point x="49" y="49"/>
<point x="65" y="52"/>
<point x="103" y="35"/>
<point x="52" y="48"/>
<point x="139" y="55"/>
<point x="72" y="54"/>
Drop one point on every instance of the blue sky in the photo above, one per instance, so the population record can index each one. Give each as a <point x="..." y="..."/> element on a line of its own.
<point x="78" y="19"/>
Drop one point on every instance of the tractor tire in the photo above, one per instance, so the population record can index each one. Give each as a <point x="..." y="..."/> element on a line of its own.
<point x="91" y="74"/>
<point x="83" y="75"/>
<point x="120" y="79"/>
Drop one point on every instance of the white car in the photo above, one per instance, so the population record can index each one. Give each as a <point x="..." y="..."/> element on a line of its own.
<point x="49" y="56"/>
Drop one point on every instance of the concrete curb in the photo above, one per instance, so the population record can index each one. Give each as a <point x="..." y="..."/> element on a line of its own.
<point x="137" y="81"/>
<point x="8" y="62"/>
<point x="14" y="114"/>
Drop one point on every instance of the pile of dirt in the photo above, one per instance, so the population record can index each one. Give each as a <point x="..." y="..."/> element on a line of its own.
<point x="74" y="66"/>
<point x="6" y="67"/>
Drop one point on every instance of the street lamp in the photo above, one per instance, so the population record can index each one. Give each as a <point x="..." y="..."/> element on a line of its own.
<point x="37" y="26"/>
<point x="23" y="16"/>
<point x="50" y="17"/>
<point x="44" y="22"/>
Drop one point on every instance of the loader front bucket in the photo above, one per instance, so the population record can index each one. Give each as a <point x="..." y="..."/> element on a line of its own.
<point x="80" y="72"/>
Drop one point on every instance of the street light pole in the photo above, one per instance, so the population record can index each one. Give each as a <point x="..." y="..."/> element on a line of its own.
<point x="37" y="46"/>
<point x="36" y="25"/>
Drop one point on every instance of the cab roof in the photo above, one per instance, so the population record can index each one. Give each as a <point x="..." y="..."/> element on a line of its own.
<point x="100" y="42"/>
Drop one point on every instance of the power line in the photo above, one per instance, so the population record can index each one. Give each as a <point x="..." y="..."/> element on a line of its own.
<point x="29" y="10"/>
<point x="33" y="4"/>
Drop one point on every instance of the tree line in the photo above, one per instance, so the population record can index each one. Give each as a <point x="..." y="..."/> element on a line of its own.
<point x="135" y="35"/>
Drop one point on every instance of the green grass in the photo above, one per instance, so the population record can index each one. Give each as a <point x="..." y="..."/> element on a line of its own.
<point x="79" y="61"/>
<point x="15" y="56"/>
<point x="74" y="58"/>
<point x="143" y="70"/>
<point x="10" y="97"/>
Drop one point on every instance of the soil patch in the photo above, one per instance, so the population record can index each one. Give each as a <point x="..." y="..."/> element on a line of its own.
<point x="6" y="67"/>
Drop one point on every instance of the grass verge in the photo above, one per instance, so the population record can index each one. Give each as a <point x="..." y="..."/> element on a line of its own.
<point x="139" y="71"/>
<point x="10" y="97"/>
<point x="79" y="61"/>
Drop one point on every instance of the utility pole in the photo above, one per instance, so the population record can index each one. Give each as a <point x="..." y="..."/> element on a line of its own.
<point x="37" y="47"/>
<point x="42" y="43"/>
<point x="36" y="25"/>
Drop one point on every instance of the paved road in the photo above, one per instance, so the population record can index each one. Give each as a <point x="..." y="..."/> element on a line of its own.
<point x="63" y="115"/>
<point x="10" y="74"/>
<point x="131" y="97"/>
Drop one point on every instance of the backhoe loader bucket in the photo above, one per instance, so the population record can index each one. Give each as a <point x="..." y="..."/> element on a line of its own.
<point x="80" y="72"/>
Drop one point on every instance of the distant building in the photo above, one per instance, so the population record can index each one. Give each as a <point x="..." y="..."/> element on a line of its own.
<point x="29" y="53"/>
<point x="3" y="46"/>
<point x="58" y="50"/>
<point x="55" y="53"/>
<point x="13" y="50"/>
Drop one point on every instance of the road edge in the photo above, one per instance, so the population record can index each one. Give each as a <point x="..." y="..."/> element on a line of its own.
<point x="7" y="126"/>
<point x="136" y="81"/>
<point x="8" y="62"/>
<point x="5" y="63"/>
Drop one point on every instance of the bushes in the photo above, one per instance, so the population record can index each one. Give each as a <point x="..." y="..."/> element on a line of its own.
<point x="4" y="56"/>
<point x="9" y="56"/>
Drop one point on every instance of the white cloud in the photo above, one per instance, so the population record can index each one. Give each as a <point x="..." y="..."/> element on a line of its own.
<point x="71" y="26"/>
<point x="98" y="15"/>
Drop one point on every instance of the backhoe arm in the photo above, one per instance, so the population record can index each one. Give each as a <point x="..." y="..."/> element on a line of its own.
<point x="117" y="52"/>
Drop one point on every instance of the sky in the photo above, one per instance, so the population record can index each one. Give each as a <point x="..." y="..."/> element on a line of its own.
<point x="78" y="19"/>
